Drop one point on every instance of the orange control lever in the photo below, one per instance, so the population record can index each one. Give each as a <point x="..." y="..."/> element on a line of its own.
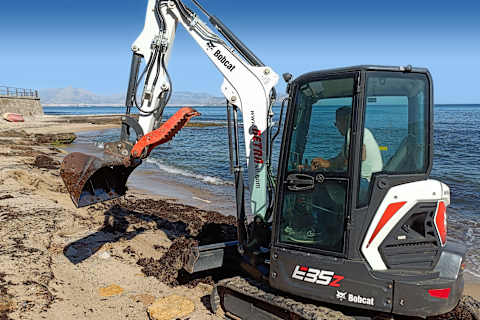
<point x="165" y="133"/>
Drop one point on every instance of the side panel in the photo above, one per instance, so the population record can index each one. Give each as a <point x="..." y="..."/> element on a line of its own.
<point x="327" y="279"/>
<point x="396" y="204"/>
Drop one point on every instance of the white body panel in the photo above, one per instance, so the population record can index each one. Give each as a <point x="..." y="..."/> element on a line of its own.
<point x="142" y="46"/>
<point x="412" y="193"/>
<point x="246" y="87"/>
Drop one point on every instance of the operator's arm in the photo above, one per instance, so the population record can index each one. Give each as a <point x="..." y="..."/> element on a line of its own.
<point x="338" y="162"/>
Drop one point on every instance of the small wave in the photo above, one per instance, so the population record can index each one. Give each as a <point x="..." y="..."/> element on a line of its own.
<point x="470" y="237"/>
<point x="99" y="144"/>
<point x="473" y="273"/>
<point x="185" y="173"/>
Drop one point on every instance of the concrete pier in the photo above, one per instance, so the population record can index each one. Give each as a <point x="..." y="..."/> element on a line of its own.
<point x="23" y="101"/>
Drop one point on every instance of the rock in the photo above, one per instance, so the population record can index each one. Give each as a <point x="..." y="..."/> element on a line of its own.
<point x="145" y="299"/>
<point x="46" y="162"/>
<point x="170" y="307"/>
<point x="104" y="255"/>
<point x="5" y="305"/>
<point x="111" y="290"/>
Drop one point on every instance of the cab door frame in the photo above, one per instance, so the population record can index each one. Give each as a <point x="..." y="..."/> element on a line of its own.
<point x="353" y="158"/>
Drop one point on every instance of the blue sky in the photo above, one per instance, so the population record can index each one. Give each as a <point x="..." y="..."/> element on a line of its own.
<point x="86" y="44"/>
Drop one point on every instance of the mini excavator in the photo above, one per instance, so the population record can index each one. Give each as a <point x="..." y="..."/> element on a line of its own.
<point x="350" y="222"/>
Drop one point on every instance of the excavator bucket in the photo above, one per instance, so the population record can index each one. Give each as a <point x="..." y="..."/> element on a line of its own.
<point x="90" y="179"/>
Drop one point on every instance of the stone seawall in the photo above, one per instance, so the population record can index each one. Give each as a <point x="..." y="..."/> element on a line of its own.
<point x="27" y="106"/>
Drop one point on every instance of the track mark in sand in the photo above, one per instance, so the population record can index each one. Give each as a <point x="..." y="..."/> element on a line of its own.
<point x="203" y="200"/>
<point x="36" y="182"/>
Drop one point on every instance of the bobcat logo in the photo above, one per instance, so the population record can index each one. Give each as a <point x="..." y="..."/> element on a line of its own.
<point x="341" y="295"/>
<point x="210" y="45"/>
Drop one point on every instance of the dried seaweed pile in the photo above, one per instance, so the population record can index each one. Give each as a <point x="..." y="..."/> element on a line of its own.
<point x="185" y="225"/>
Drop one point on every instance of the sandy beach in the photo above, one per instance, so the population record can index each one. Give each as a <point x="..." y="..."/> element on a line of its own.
<point x="59" y="262"/>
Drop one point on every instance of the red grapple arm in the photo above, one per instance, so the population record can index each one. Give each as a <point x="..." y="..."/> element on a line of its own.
<point x="165" y="133"/>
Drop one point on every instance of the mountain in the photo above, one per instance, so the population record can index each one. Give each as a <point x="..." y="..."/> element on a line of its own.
<point x="74" y="96"/>
<point x="81" y="97"/>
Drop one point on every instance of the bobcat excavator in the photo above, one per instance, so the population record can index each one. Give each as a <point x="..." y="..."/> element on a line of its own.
<point x="351" y="221"/>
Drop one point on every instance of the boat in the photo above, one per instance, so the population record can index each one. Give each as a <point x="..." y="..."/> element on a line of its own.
<point x="13" y="117"/>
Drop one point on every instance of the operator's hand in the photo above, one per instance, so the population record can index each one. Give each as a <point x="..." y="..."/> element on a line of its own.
<point x="319" y="163"/>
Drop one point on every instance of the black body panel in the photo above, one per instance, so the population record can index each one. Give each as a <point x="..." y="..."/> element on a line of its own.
<point x="413" y="298"/>
<point x="357" y="287"/>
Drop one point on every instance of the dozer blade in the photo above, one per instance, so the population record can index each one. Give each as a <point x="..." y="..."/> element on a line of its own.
<point x="90" y="179"/>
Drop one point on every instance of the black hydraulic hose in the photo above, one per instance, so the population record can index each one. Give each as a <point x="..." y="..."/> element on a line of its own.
<point x="136" y="87"/>
<point x="151" y="62"/>
<point x="242" y="233"/>
<point x="280" y="120"/>
<point x="169" y="80"/>
<point x="229" y="130"/>
<point x="163" y="101"/>
<point x="232" y="38"/>
<point x="235" y="42"/>
<point x="157" y="74"/>
<point x="158" y="16"/>
<point x="134" y="68"/>
<point x="184" y="11"/>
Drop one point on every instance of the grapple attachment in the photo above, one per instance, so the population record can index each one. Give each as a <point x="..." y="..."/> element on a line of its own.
<point x="90" y="179"/>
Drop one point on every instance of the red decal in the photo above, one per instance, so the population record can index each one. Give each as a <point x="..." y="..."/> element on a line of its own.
<point x="440" y="293"/>
<point x="441" y="221"/>
<point x="389" y="212"/>
<point x="258" y="160"/>
<point x="257" y="146"/>
<point x="303" y="269"/>
<point x="335" y="283"/>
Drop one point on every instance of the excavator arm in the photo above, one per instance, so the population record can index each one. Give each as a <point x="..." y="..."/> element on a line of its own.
<point x="248" y="87"/>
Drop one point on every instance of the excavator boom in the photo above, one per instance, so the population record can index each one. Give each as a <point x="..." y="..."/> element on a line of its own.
<point x="248" y="86"/>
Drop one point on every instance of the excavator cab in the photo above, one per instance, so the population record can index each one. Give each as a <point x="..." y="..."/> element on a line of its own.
<point x="357" y="220"/>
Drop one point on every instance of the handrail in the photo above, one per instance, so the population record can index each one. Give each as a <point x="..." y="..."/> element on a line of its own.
<point x="18" y="92"/>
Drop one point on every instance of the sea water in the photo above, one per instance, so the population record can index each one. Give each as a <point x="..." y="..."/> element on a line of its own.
<point x="199" y="157"/>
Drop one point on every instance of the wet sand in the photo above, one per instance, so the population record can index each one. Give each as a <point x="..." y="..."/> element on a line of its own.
<point x="106" y="261"/>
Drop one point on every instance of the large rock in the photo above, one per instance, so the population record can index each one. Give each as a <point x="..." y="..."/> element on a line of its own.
<point x="170" y="307"/>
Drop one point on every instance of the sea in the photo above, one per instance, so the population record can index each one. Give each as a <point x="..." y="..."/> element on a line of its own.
<point x="197" y="158"/>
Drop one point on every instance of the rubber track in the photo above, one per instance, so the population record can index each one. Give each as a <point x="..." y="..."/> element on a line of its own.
<point x="261" y="292"/>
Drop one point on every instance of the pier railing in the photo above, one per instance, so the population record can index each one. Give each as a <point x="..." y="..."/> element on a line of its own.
<point x="18" y="92"/>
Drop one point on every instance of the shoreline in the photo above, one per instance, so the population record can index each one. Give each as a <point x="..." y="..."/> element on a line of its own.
<point x="69" y="258"/>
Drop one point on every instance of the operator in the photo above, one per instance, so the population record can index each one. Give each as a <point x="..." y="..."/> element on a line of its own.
<point x="371" y="157"/>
